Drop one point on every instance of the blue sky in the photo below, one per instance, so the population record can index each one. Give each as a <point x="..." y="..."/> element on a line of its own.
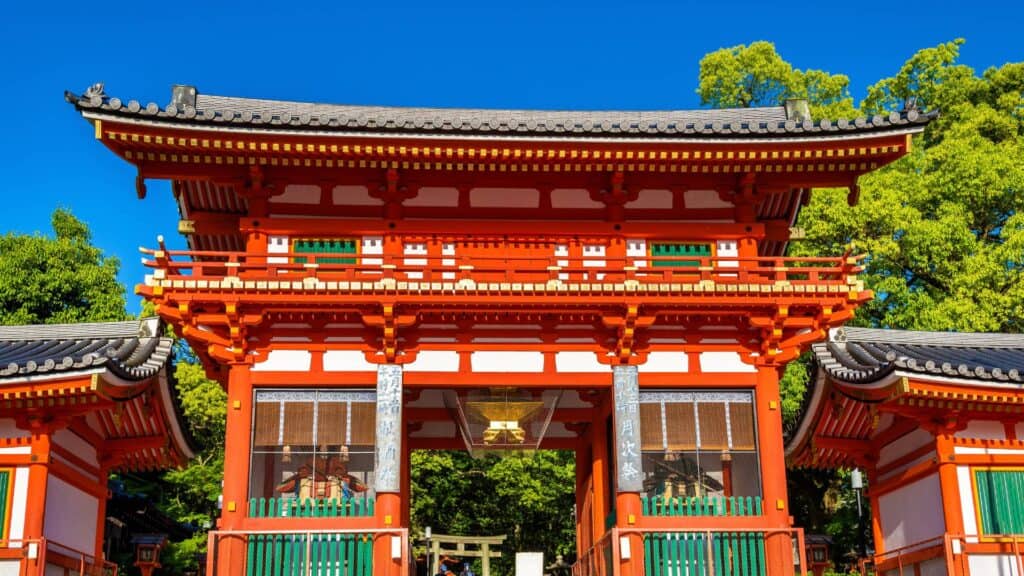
<point x="587" y="55"/>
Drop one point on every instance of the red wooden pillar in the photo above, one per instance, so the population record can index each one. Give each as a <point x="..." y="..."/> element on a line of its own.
<point x="35" y="506"/>
<point x="583" y="531"/>
<point x="951" y="510"/>
<point x="778" y="547"/>
<point x="599" y="471"/>
<point x="230" y="551"/>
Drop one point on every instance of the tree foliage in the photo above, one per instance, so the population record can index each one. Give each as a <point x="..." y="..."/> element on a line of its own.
<point x="527" y="496"/>
<point x="942" y="228"/>
<point x="58" y="279"/>
<point x="755" y="75"/>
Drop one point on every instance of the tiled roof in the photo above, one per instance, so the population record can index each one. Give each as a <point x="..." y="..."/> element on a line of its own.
<point x="133" y="350"/>
<point x="862" y="355"/>
<point x="188" y="106"/>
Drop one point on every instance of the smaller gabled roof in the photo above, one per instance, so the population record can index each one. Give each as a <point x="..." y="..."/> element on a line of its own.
<point x="132" y="357"/>
<point x="134" y="350"/>
<point x="864" y="355"/>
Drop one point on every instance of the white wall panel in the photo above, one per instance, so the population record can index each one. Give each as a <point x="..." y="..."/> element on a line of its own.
<point x="71" y="515"/>
<point x="912" y="513"/>
<point x="285" y="361"/>
<point x="19" y="502"/>
<point x="904" y="445"/>
<point x="983" y="430"/>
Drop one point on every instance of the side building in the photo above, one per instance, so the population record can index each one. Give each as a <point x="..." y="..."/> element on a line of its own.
<point x="77" y="403"/>
<point x="366" y="281"/>
<point x="936" y="420"/>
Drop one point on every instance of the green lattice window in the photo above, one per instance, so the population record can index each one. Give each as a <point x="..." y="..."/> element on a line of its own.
<point x="678" y="250"/>
<point x="322" y="246"/>
<point x="5" y="495"/>
<point x="1000" y="500"/>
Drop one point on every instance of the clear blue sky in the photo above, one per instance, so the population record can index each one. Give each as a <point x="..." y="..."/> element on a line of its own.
<point x="631" y="54"/>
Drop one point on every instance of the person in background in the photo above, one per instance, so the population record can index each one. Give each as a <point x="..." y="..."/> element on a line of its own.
<point x="466" y="570"/>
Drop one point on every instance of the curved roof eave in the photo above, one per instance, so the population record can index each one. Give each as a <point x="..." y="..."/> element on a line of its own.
<point x="276" y="116"/>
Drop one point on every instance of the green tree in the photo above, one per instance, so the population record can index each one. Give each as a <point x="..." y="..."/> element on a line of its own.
<point x="756" y="75"/>
<point x="189" y="494"/>
<point x="58" y="279"/>
<point x="943" y="227"/>
<point x="527" y="496"/>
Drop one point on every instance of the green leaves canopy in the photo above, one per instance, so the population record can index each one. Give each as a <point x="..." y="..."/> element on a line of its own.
<point x="755" y="75"/>
<point x="59" y="279"/>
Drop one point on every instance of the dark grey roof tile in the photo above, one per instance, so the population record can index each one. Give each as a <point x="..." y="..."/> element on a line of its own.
<point x="729" y="122"/>
<point x="862" y="355"/>
<point x="134" y="350"/>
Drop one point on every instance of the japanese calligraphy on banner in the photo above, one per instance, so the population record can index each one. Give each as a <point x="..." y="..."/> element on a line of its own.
<point x="389" y="427"/>
<point x="629" y="471"/>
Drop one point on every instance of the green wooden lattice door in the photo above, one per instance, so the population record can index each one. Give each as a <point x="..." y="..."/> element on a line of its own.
<point x="1000" y="500"/>
<point x="5" y="486"/>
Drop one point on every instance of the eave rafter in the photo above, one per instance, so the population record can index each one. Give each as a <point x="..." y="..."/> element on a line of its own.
<point x="145" y="145"/>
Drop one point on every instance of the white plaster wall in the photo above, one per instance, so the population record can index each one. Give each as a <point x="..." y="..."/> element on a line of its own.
<point x="912" y="514"/>
<point x="19" y="502"/>
<point x="579" y="362"/>
<point x="723" y="362"/>
<point x="983" y="430"/>
<point x="9" y="430"/>
<point x="992" y="564"/>
<point x="347" y="360"/>
<point x="76" y="445"/>
<point x="704" y="199"/>
<point x="665" y="362"/>
<point x="16" y="450"/>
<point x="285" y="361"/>
<point x="504" y="197"/>
<point x="70" y="515"/>
<point x="652" y="198"/>
<point x="435" y="361"/>
<point x="372" y="245"/>
<point x="507" y="361"/>
<point x="277" y="244"/>
<point x="10" y="567"/>
<point x="573" y="198"/>
<point x="985" y="450"/>
<point x="354" y="196"/>
<point x="637" y="248"/>
<point x="298" y="194"/>
<point x="963" y="482"/>
<point x="904" y="445"/>
<point x="435" y="196"/>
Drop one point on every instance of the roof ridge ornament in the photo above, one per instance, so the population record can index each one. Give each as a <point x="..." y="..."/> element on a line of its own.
<point x="183" y="96"/>
<point x="94" y="91"/>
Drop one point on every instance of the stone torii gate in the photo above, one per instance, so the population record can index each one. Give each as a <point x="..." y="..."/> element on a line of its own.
<point x="482" y="549"/>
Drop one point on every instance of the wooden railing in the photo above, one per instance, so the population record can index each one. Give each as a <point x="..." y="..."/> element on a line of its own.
<point x="693" y="552"/>
<point x="1004" y="553"/>
<point x="39" y="556"/>
<point x="705" y="506"/>
<point x="299" y="552"/>
<point x="174" y="265"/>
<point x="310" y="507"/>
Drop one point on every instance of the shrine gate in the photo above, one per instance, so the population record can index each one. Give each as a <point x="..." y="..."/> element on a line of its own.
<point x="367" y="281"/>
